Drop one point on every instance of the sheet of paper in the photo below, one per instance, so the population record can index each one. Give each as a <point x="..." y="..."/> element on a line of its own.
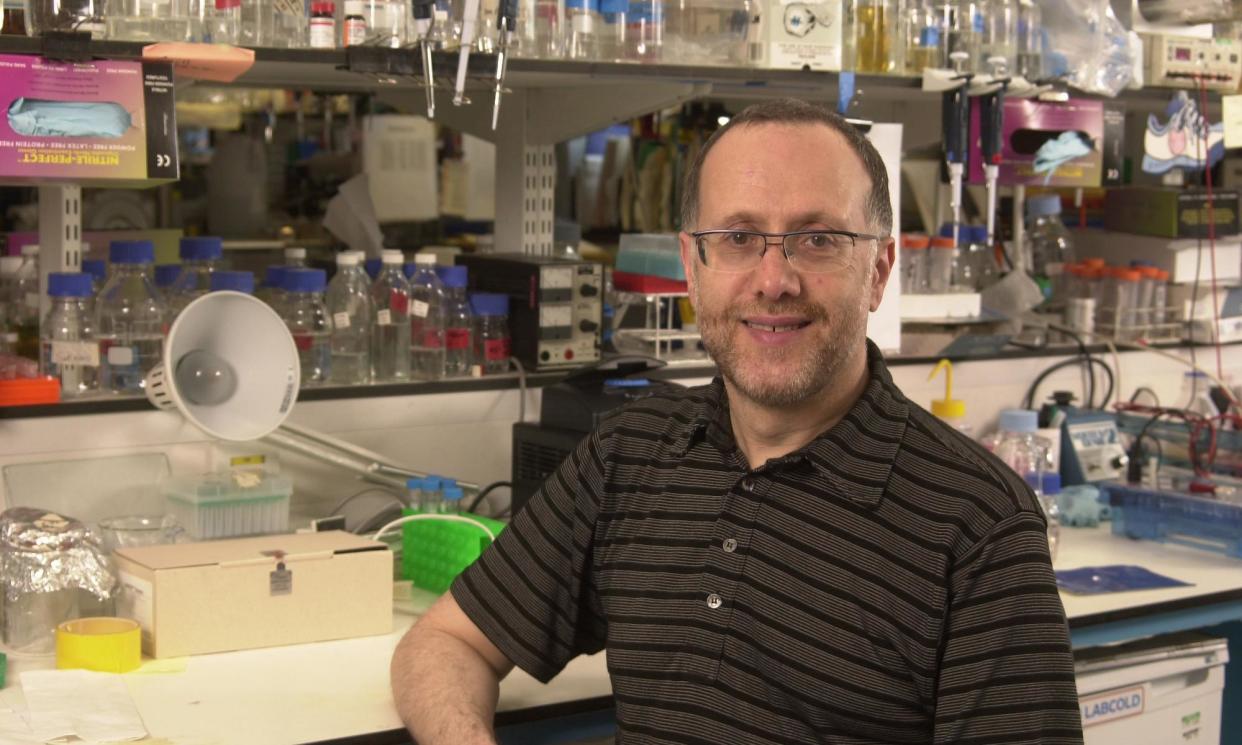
<point x="95" y="707"/>
<point x="215" y="62"/>
<point x="14" y="730"/>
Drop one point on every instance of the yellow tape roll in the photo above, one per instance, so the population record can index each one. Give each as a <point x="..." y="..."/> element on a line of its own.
<point x="107" y="645"/>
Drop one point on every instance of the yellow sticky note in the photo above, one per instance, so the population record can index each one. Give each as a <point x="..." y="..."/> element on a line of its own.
<point x="1232" y="115"/>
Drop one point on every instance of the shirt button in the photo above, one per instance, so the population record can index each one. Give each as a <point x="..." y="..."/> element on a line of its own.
<point x="730" y="545"/>
<point x="748" y="484"/>
<point x="714" y="601"/>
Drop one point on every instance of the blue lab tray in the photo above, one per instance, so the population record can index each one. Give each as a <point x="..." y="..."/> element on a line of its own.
<point x="1172" y="517"/>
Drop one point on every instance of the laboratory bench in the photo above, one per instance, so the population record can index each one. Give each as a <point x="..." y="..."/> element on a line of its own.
<point x="338" y="691"/>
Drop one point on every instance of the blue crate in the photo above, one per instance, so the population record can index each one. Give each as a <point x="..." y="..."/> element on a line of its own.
<point x="1172" y="517"/>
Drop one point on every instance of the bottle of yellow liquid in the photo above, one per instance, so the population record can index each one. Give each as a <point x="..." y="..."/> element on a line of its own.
<point x="952" y="411"/>
<point x="876" y="40"/>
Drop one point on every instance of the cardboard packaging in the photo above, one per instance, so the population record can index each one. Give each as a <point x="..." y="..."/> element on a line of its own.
<point x="1170" y="213"/>
<point x="247" y="593"/>
<point x="1037" y="134"/>
<point x="100" y="123"/>
<point x="795" y="35"/>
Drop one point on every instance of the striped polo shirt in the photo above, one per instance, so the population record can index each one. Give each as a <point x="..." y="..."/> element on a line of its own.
<point x="889" y="582"/>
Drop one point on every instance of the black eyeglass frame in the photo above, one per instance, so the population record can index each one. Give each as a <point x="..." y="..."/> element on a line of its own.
<point x="783" y="242"/>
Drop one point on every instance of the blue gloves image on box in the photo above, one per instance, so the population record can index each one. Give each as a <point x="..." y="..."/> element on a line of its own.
<point x="33" y="117"/>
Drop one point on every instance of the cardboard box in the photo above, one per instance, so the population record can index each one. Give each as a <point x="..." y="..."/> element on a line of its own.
<point x="247" y="593"/>
<point x="100" y="123"/>
<point x="1170" y="213"/>
<point x="1074" y="126"/>
<point x="795" y="35"/>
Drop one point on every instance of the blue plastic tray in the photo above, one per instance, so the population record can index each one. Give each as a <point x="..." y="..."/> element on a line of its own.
<point x="1171" y="517"/>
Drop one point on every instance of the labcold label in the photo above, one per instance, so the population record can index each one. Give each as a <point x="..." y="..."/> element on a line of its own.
<point x="1112" y="705"/>
<point x="384" y="317"/>
<point x="420" y="309"/>
<point x="340" y="320"/>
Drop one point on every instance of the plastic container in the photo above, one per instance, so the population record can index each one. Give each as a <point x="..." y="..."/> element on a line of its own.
<point x="492" y="344"/>
<point x="1029" y="45"/>
<point x="390" y="322"/>
<point x="70" y="352"/>
<point x="1051" y="246"/>
<point x="295" y="257"/>
<point x="434" y="552"/>
<point x="651" y="254"/>
<point x="199" y="258"/>
<point x="386" y="22"/>
<point x="427" y="326"/>
<point x="999" y="37"/>
<point x="322" y="33"/>
<point x="1020" y="448"/>
<point x="354" y="30"/>
<point x="225" y="23"/>
<point x="307" y="318"/>
<point x="349" y="305"/>
<point x="43" y="16"/>
<point x="923" y="34"/>
<point x="217" y="507"/>
<point x="941" y="258"/>
<point x="914" y="249"/>
<point x="707" y="32"/>
<point x="22" y="305"/>
<point x="583" y="26"/>
<point x="130" y="319"/>
<point x="148" y="20"/>
<point x="952" y="411"/>
<point x="234" y="281"/>
<point x="1169" y="517"/>
<point x="873" y="42"/>
<point x="458" y="322"/>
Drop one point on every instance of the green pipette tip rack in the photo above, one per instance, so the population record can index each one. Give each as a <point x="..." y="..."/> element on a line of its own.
<point x="434" y="552"/>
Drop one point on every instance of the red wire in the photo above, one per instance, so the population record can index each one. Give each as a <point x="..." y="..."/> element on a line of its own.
<point x="1211" y="219"/>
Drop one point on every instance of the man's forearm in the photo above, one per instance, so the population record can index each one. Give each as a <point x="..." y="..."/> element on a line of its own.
<point x="445" y="691"/>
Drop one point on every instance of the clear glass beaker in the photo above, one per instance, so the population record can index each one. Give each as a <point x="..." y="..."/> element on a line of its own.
<point x="128" y="531"/>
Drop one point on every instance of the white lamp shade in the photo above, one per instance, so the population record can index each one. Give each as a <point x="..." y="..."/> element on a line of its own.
<point x="250" y="348"/>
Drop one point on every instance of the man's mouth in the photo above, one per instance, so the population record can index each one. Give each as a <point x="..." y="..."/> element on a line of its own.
<point x="777" y="328"/>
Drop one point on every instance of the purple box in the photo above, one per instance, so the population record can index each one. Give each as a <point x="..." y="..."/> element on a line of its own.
<point x="1039" y="135"/>
<point x="99" y="123"/>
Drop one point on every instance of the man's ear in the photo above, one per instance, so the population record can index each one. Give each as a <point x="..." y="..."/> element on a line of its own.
<point x="885" y="257"/>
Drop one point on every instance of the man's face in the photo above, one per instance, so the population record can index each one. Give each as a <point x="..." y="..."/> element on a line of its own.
<point x="780" y="336"/>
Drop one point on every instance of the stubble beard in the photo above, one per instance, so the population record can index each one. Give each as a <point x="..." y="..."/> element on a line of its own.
<point x="786" y="377"/>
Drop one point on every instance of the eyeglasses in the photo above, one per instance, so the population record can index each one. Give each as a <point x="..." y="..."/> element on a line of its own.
<point x="806" y="250"/>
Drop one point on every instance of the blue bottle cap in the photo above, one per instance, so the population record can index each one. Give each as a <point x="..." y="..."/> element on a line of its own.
<point x="235" y="281"/>
<point x="131" y="252"/>
<point x="432" y="483"/>
<point x="201" y="248"/>
<point x="979" y="234"/>
<point x="1019" y="420"/>
<point x="414" y="483"/>
<point x="489" y="304"/>
<point x="452" y="276"/>
<point x="305" y="280"/>
<point x="1042" y="205"/>
<point x="166" y="274"/>
<point x="274" y="276"/>
<point x="68" y="284"/>
<point x="1051" y="484"/>
<point x="373" y="267"/>
<point x="452" y="493"/>
<point x="97" y="268"/>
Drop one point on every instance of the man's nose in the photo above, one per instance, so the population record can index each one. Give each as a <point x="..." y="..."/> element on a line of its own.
<point x="775" y="275"/>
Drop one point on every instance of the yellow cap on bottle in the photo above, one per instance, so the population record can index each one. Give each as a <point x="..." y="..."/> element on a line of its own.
<point x="947" y="407"/>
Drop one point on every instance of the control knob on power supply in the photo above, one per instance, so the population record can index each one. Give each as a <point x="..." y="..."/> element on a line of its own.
<point x="588" y="291"/>
<point x="587" y="326"/>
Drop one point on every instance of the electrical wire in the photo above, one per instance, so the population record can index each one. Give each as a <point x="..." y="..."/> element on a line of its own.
<point x="1144" y="389"/>
<point x="521" y="369"/>
<point x="485" y="491"/>
<point x="1211" y="220"/>
<point x="448" y="518"/>
<point x="1028" y="401"/>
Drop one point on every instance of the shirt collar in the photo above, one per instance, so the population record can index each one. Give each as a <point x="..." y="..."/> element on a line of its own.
<point x="855" y="455"/>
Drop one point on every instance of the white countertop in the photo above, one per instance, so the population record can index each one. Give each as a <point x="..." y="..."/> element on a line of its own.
<point x="327" y="690"/>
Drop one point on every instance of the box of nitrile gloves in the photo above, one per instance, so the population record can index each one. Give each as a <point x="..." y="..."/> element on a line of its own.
<point x="98" y="123"/>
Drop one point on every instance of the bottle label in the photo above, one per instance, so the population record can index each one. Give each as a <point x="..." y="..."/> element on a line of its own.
<point x="433" y="339"/>
<point x="495" y="350"/>
<point x="355" y="32"/>
<point x="456" y="339"/>
<point x="322" y="33"/>
<point x="83" y="353"/>
<point x="420" y="309"/>
<point x="289" y="7"/>
<point x="303" y="342"/>
<point x="340" y="320"/>
<point x="384" y="317"/>
<point x="399" y="302"/>
<point x="121" y="356"/>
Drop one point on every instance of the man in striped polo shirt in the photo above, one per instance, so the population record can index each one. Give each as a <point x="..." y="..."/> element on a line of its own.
<point x="795" y="553"/>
